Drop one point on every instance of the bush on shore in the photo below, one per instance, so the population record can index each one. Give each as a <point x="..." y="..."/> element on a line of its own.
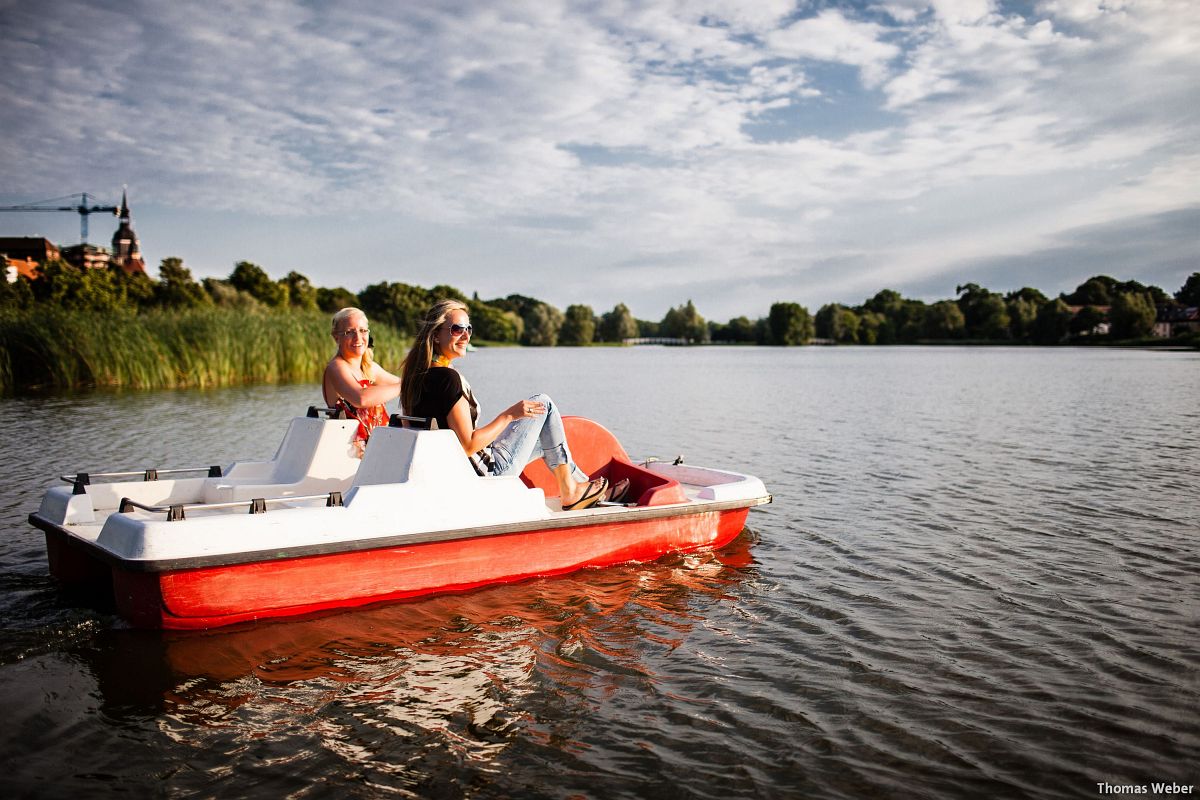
<point x="49" y="348"/>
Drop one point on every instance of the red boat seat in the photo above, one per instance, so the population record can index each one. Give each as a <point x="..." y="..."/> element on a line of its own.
<point x="599" y="454"/>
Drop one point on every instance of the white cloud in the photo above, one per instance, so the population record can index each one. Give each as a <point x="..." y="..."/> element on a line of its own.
<point x="618" y="132"/>
<point x="830" y="36"/>
<point x="962" y="11"/>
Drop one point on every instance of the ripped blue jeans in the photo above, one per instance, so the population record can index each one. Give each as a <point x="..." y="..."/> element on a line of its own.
<point x="530" y="438"/>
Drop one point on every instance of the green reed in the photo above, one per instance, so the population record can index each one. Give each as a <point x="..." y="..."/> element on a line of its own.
<point x="44" y="348"/>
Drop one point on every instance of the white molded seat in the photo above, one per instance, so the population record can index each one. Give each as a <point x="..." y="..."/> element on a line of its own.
<point x="316" y="456"/>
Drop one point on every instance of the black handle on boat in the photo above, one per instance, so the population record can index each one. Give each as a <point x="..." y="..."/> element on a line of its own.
<point x="80" y="480"/>
<point x="423" y="423"/>
<point x="315" y="412"/>
<point x="258" y="505"/>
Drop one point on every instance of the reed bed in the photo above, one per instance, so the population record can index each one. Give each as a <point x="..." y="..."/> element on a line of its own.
<point x="53" y="349"/>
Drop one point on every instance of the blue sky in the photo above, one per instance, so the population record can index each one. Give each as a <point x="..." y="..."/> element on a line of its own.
<point x="733" y="153"/>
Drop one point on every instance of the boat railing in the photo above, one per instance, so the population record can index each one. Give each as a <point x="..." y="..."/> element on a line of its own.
<point x="81" y="480"/>
<point x="258" y="505"/>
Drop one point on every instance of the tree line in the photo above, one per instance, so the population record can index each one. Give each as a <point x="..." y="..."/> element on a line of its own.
<point x="1099" y="308"/>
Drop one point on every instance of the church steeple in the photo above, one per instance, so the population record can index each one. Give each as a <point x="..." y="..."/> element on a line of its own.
<point x="125" y="251"/>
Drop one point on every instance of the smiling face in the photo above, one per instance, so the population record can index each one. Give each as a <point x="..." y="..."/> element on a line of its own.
<point x="453" y="336"/>
<point x="352" y="335"/>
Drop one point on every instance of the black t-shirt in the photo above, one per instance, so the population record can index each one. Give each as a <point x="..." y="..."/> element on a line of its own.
<point x="440" y="391"/>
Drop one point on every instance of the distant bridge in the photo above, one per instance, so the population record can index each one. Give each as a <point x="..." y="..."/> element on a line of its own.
<point x="657" y="340"/>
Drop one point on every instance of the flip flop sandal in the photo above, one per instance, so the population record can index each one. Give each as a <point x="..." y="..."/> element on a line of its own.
<point x="594" y="491"/>
<point x="616" y="492"/>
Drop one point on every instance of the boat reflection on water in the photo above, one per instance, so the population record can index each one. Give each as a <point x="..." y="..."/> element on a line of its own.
<point x="461" y="669"/>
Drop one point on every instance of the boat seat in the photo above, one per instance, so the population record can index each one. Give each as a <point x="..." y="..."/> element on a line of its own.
<point x="597" y="452"/>
<point x="316" y="456"/>
<point x="401" y="454"/>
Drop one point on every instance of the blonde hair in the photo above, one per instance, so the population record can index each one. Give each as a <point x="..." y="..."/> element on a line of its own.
<point x="420" y="355"/>
<point x="368" y="356"/>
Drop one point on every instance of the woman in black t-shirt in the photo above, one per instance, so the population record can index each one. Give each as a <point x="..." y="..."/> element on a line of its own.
<point x="526" y="430"/>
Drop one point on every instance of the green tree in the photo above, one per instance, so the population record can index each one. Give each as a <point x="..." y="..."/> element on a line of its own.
<point x="994" y="322"/>
<point x="1132" y="315"/>
<point x="1022" y="313"/>
<point x="886" y="302"/>
<point x="838" y="323"/>
<point x="1053" y="322"/>
<point x="618" y="325"/>
<point x="985" y="312"/>
<point x="494" y="324"/>
<point x="176" y="288"/>
<point x="684" y="322"/>
<point x="790" y="324"/>
<point x="579" y="326"/>
<point x="1097" y="291"/>
<point x="850" y="323"/>
<point x="1157" y="295"/>
<point x="1189" y="294"/>
<point x="827" y="322"/>
<point x="647" y="329"/>
<point x="136" y="287"/>
<point x="945" y="320"/>
<point x="542" y="325"/>
<point x="1029" y="294"/>
<point x="1086" y="321"/>
<point x="301" y="293"/>
<point x="334" y="300"/>
<point x="873" y="327"/>
<point x="17" y="294"/>
<point x="896" y="319"/>
<point x="73" y="289"/>
<point x="444" y="292"/>
<point x="738" y="329"/>
<point x="741" y="329"/>
<point x="910" y="320"/>
<point x="254" y="281"/>
<point x="224" y="295"/>
<point x="398" y="304"/>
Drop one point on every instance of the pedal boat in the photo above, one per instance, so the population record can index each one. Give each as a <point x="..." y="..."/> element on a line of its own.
<point x="316" y="528"/>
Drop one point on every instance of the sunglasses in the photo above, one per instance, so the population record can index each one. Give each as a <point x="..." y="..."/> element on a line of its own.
<point x="459" y="330"/>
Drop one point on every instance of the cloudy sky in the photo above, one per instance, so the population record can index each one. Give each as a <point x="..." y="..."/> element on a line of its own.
<point x="734" y="152"/>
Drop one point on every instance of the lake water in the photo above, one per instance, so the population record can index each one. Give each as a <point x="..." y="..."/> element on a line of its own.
<point x="980" y="577"/>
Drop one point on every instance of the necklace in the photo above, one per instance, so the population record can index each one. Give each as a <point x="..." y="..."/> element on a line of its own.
<point x="440" y="361"/>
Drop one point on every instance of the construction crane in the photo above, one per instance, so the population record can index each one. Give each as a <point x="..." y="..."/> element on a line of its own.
<point x="81" y="207"/>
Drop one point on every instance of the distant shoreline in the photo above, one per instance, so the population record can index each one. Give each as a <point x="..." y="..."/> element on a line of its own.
<point x="45" y="351"/>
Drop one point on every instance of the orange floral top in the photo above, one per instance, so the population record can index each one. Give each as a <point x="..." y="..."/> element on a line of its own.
<point x="368" y="418"/>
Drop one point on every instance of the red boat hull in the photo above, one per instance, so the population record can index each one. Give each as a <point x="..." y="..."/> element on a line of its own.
<point x="210" y="597"/>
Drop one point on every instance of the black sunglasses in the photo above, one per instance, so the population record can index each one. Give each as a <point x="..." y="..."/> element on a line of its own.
<point x="459" y="330"/>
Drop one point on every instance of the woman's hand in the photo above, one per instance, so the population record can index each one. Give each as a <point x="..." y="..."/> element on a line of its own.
<point x="473" y="440"/>
<point x="526" y="408"/>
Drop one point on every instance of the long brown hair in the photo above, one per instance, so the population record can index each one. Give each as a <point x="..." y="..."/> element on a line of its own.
<point x="368" y="359"/>
<point x="420" y="355"/>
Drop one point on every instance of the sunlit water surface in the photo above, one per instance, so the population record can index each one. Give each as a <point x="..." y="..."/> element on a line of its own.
<point x="980" y="577"/>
